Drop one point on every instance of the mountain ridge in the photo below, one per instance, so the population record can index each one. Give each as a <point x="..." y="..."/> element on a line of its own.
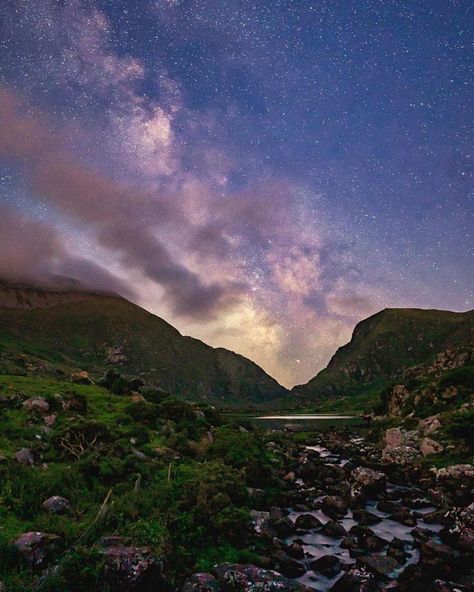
<point x="98" y="329"/>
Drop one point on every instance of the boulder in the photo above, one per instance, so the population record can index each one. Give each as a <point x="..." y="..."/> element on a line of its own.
<point x="50" y="420"/>
<point x="37" y="547"/>
<point x="130" y="569"/>
<point x="334" y="506"/>
<point x="429" y="446"/>
<point x="356" y="579"/>
<point x="371" y="481"/>
<point x="201" y="582"/>
<point x="333" y="529"/>
<point x="249" y="578"/>
<point x="288" y="566"/>
<point x="259" y="519"/>
<point x="430" y="425"/>
<point x="461" y="472"/>
<point x="328" y="565"/>
<point x="394" y="438"/>
<point x="381" y="566"/>
<point x="36" y="404"/>
<point x="307" y="522"/>
<point x="284" y="527"/>
<point x="402" y="455"/>
<point x="57" y="505"/>
<point x="366" y="518"/>
<point x="25" y="457"/>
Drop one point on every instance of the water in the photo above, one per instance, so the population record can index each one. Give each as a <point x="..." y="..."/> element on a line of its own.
<point x="316" y="544"/>
<point x="307" y="421"/>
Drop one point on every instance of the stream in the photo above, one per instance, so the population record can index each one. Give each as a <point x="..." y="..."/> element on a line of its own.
<point x="317" y="544"/>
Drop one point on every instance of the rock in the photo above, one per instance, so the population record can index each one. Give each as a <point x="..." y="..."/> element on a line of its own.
<point x="458" y="472"/>
<point x="36" y="547"/>
<point x="371" y="481"/>
<point x="248" y="578"/>
<point x="429" y="446"/>
<point x="438" y="558"/>
<point x="356" y="579"/>
<point x="36" y="404"/>
<point x="334" y="506"/>
<point x="430" y="425"/>
<point x="328" y="565"/>
<point x="289" y="567"/>
<point x="201" y="582"/>
<point x="404" y="516"/>
<point x="130" y="569"/>
<point x="394" y="438"/>
<point x="421" y="535"/>
<point x="81" y="377"/>
<point x="25" y="457"/>
<point x="259" y="519"/>
<point x="381" y="566"/>
<point x="402" y="455"/>
<point x="290" y="477"/>
<point x="284" y="527"/>
<point x="115" y="354"/>
<point x="333" y="529"/>
<point x="57" y="505"/>
<point x="295" y="550"/>
<point x="365" y="518"/>
<point x="50" y="420"/>
<point x="307" y="522"/>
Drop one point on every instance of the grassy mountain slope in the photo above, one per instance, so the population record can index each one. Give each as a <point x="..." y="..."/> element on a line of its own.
<point x="384" y="346"/>
<point x="53" y="331"/>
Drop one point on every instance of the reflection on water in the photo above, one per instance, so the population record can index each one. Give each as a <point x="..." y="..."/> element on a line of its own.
<point x="301" y="417"/>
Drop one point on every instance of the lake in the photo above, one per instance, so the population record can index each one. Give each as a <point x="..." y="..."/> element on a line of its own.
<point x="306" y="421"/>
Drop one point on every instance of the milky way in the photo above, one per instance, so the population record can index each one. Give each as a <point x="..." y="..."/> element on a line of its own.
<point x="261" y="174"/>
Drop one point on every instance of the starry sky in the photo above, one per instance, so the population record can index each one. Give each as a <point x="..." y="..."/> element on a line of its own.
<point x="262" y="174"/>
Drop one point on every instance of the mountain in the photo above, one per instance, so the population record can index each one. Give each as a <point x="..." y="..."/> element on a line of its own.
<point x="384" y="346"/>
<point x="61" y="331"/>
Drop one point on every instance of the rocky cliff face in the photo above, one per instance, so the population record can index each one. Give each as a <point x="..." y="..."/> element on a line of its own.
<point x="48" y="331"/>
<point x="386" y="345"/>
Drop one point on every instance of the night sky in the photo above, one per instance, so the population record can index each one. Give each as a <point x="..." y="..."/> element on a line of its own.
<point x="261" y="174"/>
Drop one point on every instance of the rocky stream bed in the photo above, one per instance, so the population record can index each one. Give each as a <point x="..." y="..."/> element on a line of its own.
<point x="355" y="522"/>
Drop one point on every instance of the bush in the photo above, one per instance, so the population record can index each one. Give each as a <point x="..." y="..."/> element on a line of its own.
<point x="462" y="427"/>
<point x="458" y="377"/>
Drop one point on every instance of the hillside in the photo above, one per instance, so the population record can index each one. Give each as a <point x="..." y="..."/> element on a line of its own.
<point x="60" y="332"/>
<point x="384" y="346"/>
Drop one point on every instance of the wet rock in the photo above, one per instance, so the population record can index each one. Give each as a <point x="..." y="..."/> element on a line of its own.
<point x="372" y="482"/>
<point x="357" y="497"/>
<point x="421" y="535"/>
<point x="356" y="579"/>
<point x="57" y="505"/>
<point x="307" y="522"/>
<point x="429" y="446"/>
<point x="288" y="566"/>
<point x="37" y="547"/>
<point x="130" y="569"/>
<point x="248" y="578"/>
<point x="334" y="506"/>
<point x="284" y="527"/>
<point x="36" y="404"/>
<point x="201" y="582"/>
<point x="438" y="558"/>
<point x="295" y="550"/>
<point x="333" y="529"/>
<point x="387" y="506"/>
<point x="365" y="518"/>
<point x="25" y="457"/>
<point x="328" y="565"/>
<point x="404" y="516"/>
<point x="380" y="566"/>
